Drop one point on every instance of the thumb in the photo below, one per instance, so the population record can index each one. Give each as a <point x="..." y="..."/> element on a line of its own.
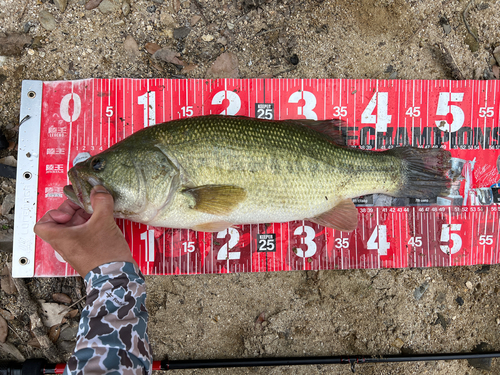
<point x="102" y="202"/>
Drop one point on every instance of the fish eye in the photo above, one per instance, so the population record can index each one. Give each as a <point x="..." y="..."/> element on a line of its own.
<point x="97" y="164"/>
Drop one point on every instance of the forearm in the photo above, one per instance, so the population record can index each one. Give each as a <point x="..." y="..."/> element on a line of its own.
<point x="112" y="332"/>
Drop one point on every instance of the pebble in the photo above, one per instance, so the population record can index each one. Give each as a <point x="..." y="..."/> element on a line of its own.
<point x="47" y="20"/>
<point x="468" y="284"/>
<point x="398" y="343"/>
<point x="230" y="25"/>
<point x="151" y="9"/>
<point x="207" y="38"/>
<point x="92" y="4"/>
<point x="126" y="7"/>
<point x="496" y="54"/>
<point x="419" y="292"/>
<point x="69" y="333"/>
<point x="224" y="66"/>
<point x="61" y="5"/>
<point x="498" y="321"/>
<point x="158" y="1"/>
<point x="66" y="346"/>
<point x="8" y="203"/>
<point x="181" y="32"/>
<point x="294" y="59"/>
<point x="107" y="7"/>
<point x="481" y="363"/>
<point x="9" y="160"/>
<point x="27" y="26"/>
<point x="131" y="47"/>
<point x="31" y="52"/>
<point x="460" y="301"/>
<point x="222" y="40"/>
<point x="195" y="19"/>
<point x="60" y="72"/>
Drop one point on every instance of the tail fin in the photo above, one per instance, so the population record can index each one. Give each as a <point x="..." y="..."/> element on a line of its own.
<point x="425" y="171"/>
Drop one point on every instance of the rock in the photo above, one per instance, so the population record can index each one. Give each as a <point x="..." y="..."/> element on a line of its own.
<point x="225" y="66"/>
<point x="6" y="238"/>
<point x="181" y="32"/>
<point x="459" y="300"/>
<point x="7" y="284"/>
<point x="444" y="322"/>
<point x="294" y="59"/>
<point x="8" y="203"/>
<point x="222" y="40"/>
<point x="230" y="25"/>
<point x="69" y="333"/>
<point x="207" y="38"/>
<point x="13" y="44"/>
<point x="468" y="284"/>
<point x="189" y="68"/>
<point x="481" y="363"/>
<point x="151" y="9"/>
<point x="398" y="343"/>
<point x="60" y="72"/>
<point x="485" y="268"/>
<point x="158" y="1"/>
<point x="167" y="19"/>
<point x="496" y="71"/>
<point x="47" y="20"/>
<point x="419" y="292"/>
<point x="152" y="48"/>
<point x="131" y="47"/>
<point x="167" y="55"/>
<point x="92" y="4"/>
<point x="195" y="19"/>
<point x="27" y="26"/>
<point x="496" y="54"/>
<point x="66" y="346"/>
<point x="9" y="160"/>
<point x="471" y="41"/>
<point x="61" y="4"/>
<point x="4" y="329"/>
<point x="126" y="7"/>
<point x="108" y="6"/>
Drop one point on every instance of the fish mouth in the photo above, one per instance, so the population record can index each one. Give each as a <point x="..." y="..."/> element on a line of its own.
<point x="79" y="191"/>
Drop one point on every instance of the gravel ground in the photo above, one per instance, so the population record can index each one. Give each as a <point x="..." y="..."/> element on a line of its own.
<point x="303" y="313"/>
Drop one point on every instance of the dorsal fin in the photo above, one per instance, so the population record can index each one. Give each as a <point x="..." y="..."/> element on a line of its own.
<point x="330" y="128"/>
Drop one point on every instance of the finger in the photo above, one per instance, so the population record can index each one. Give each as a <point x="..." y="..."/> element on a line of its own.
<point x="79" y="218"/>
<point x="69" y="207"/>
<point x="45" y="230"/>
<point x="102" y="203"/>
<point x="54" y="216"/>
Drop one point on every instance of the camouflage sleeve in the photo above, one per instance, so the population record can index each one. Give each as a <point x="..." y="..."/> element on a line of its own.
<point x="112" y="337"/>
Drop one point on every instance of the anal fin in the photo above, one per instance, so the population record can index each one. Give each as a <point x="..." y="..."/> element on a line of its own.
<point x="216" y="226"/>
<point x="343" y="217"/>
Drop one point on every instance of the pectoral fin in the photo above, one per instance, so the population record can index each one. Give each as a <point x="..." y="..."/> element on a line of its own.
<point x="215" y="199"/>
<point x="343" y="217"/>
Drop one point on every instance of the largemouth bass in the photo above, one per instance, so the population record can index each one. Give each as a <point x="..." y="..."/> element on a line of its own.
<point x="209" y="173"/>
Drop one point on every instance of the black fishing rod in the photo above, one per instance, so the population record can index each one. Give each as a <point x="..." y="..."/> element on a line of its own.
<point x="40" y="367"/>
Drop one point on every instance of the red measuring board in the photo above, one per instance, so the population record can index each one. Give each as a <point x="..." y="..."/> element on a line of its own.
<point x="70" y="120"/>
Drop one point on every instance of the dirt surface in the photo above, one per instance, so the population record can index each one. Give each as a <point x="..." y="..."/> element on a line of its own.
<point x="304" y="313"/>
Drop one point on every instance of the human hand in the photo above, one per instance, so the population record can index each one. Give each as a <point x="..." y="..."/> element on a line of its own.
<point x="85" y="241"/>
